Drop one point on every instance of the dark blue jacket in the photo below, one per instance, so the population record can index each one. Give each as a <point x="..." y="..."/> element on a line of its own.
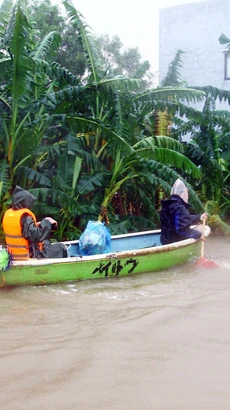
<point x="176" y="221"/>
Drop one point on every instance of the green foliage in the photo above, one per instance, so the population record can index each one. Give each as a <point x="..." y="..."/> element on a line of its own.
<point x="48" y="17"/>
<point x="173" y="77"/>
<point x="87" y="148"/>
<point x="125" y="63"/>
<point x="223" y="39"/>
<point x="74" y="51"/>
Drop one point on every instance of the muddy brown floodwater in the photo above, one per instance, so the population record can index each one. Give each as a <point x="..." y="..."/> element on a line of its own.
<point x="156" y="341"/>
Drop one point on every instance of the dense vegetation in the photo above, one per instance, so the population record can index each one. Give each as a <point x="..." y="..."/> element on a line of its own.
<point x="92" y="139"/>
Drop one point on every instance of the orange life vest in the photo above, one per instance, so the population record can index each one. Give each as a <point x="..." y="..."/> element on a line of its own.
<point x="17" y="245"/>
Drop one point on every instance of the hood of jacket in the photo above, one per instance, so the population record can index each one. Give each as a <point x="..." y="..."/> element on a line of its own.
<point x="179" y="188"/>
<point x="172" y="203"/>
<point x="22" y="199"/>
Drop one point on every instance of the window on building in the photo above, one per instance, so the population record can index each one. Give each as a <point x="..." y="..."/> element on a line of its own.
<point x="227" y="65"/>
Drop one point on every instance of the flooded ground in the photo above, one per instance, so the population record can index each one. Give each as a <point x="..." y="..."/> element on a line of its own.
<point x="152" y="341"/>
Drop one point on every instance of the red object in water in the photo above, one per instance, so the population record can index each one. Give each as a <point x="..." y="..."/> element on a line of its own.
<point x="206" y="263"/>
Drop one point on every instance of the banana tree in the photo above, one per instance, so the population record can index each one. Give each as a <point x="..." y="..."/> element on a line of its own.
<point x="42" y="104"/>
<point x="26" y="77"/>
<point x="147" y="166"/>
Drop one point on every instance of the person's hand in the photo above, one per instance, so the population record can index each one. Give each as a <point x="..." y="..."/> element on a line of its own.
<point x="203" y="237"/>
<point x="204" y="217"/>
<point x="52" y="221"/>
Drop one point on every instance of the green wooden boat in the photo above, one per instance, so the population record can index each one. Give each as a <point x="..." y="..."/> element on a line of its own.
<point x="130" y="254"/>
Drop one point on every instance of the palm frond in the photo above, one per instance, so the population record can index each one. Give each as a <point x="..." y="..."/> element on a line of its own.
<point x="173" y="77"/>
<point x="88" y="183"/>
<point x="5" y="10"/>
<point x="59" y="73"/>
<point x="172" y="93"/>
<point x="175" y="159"/>
<point x="50" y="198"/>
<point x="49" y="44"/>
<point x="121" y="83"/>
<point x="34" y="176"/>
<point x="84" y="124"/>
<point x="56" y="101"/>
<point x="222" y="95"/>
<point x="22" y="63"/>
<point x="159" y="141"/>
<point x="164" y="175"/>
<point x="87" y="40"/>
<point x="120" y="123"/>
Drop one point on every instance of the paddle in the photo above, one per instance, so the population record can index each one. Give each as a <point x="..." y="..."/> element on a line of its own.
<point x="204" y="261"/>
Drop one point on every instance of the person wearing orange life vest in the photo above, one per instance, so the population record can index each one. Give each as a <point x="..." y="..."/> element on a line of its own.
<point x="25" y="237"/>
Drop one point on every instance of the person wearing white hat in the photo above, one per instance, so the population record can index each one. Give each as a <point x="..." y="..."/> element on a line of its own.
<point x="175" y="218"/>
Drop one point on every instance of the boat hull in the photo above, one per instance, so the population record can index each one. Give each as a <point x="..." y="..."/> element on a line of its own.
<point x="51" y="271"/>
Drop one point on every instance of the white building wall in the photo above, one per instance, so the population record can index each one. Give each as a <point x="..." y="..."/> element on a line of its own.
<point x="195" y="28"/>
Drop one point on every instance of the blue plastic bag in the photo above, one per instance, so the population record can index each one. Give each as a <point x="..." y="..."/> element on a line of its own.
<point x="95" y="239"/>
